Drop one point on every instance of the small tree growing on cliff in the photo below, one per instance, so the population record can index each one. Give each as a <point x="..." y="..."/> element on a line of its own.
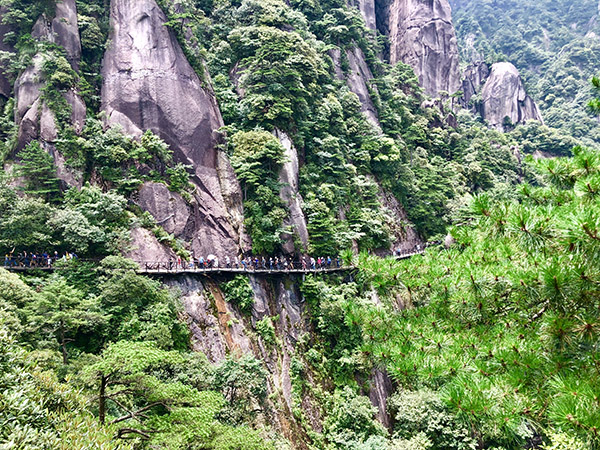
<point x="37" y="167"/>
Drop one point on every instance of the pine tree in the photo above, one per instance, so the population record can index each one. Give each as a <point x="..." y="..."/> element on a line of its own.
<point x="37" y="167"/>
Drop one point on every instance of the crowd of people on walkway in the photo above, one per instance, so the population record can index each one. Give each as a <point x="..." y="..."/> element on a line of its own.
<point x="251" y="263"/>
<point x="36" y="259"/>
<point x="45" y="259"/>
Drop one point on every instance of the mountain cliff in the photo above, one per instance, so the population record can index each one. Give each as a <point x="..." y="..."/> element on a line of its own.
<point x="148" y="84"/>
<point x="421" y="35"/>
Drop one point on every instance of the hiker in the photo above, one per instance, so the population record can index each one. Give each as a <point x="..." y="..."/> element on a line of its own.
<point x="338" y="262"/>
<point x="329" y="262"/>
<point x="227" y="262"/>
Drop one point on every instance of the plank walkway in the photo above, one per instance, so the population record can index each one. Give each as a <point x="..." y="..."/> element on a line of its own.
<point x="162" y="268"/>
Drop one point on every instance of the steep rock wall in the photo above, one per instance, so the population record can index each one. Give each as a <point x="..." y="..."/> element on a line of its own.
<point x="504" y="99"/>
<point x="421" y="35"/>
<point x="35" y="120"/>
<point x="220" y="330"/>
<point x="149" y="84"/>
<point x="367" y="9"/>
<point x="357" y="78"/>
<point x="290" y="194"/>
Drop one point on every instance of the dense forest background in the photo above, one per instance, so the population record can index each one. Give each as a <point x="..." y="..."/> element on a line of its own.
<point x="554" y="44"/>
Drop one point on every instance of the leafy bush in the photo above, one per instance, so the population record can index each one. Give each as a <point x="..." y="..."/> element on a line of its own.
<point x="423" y="417"/>
<point x="239" y="292"/>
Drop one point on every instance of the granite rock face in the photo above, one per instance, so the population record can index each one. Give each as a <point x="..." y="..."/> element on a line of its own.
<point x="148" y="84"/>
<point x="504" y="100"/>
<point x="357" y="79"/>
<point x="474" y="77"/>
<point x="290" y="194"/>
<point x="421" y="35"/>
<point x="35" y="120"/>
<point x="367" y="9"/>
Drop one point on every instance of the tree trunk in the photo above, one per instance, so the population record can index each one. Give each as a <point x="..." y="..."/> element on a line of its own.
<point x="102" y="399"/>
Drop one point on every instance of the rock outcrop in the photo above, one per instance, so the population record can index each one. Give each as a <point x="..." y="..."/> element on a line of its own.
<point x="421" y="35"/>
<point x="62" y="30"/>
<point x="35" y="120"/>
<point x="357" y="78"/>
<point x="290" y="194"/>
<point x="367" y="9"/>
<point x="148" y="84"/>
<point x="474" y="77"/>
<point x="505" y="102"/>
<point x="219" y="329"/>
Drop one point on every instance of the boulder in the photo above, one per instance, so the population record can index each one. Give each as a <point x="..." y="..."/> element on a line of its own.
<point x="148" y="84"/>
<point x="421" y="35"/>
<point x="505" y="102"/>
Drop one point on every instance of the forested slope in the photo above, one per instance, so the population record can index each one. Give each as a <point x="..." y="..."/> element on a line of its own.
<point x="554" y="44"/>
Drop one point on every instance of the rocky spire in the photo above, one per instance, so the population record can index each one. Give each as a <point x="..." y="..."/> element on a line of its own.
<point x="148" y="84"/>
<point x="36" y="121"/>
<point x="421" y="35"/>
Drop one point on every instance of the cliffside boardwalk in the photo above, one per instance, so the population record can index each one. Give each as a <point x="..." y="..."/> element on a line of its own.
<point x="170" y="267"/>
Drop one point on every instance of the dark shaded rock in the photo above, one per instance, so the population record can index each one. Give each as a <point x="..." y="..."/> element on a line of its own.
<point x="474" y="78"/>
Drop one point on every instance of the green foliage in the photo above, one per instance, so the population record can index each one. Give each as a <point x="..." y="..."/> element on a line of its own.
<point x="266" y="330"/>
<point x="60" y="311"/>
<point x="422" y="413"/>
<point x="521" y="267"/>
<point x="139" y="308"/>
<point x="37" y="167"/>
<point x="59" y="79"/>
<point x="350" y="423"/>
<point x="257" y="157"/>
<point x="38" y="411"/>
<point x="243" y="384"/>
<point x="239" y="292"/>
